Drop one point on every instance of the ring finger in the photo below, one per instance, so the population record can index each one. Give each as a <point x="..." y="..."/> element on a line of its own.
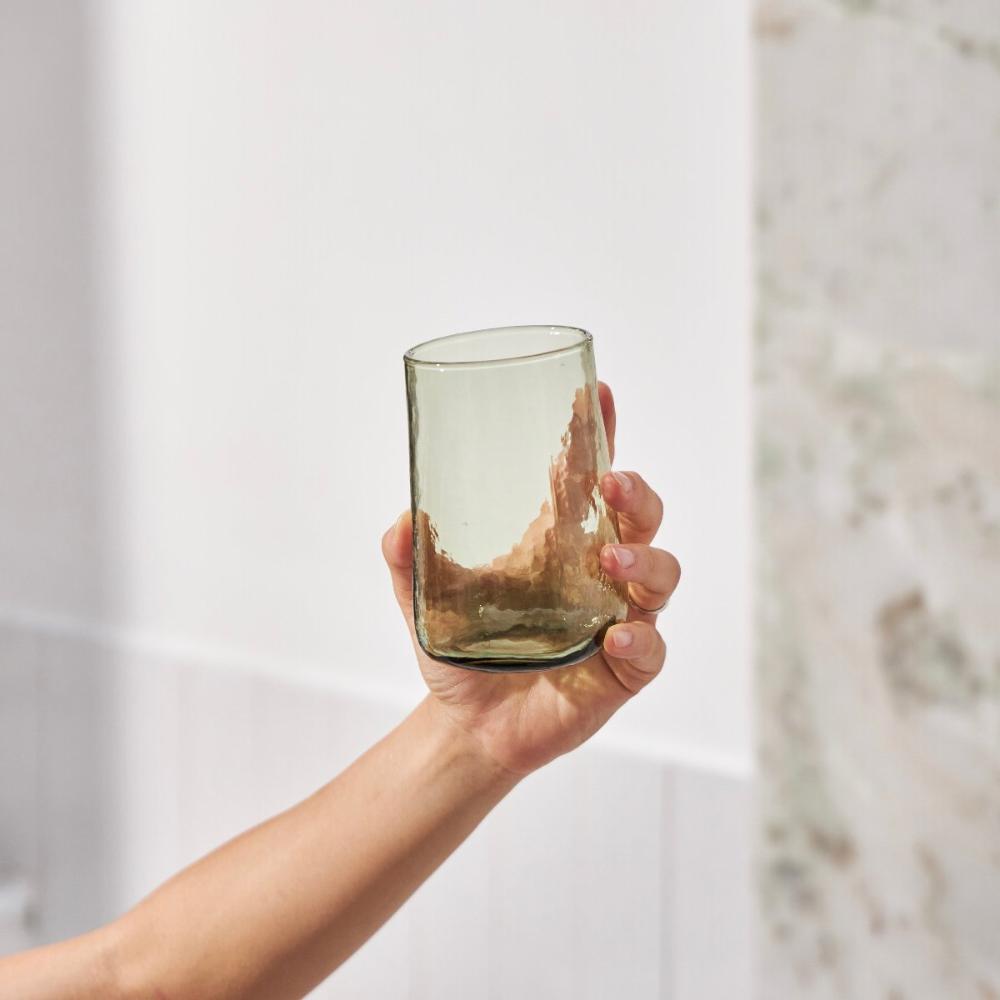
<point x="652" y="574"/>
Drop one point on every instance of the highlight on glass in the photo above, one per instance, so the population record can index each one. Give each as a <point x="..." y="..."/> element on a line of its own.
<point x="507" y="449"/>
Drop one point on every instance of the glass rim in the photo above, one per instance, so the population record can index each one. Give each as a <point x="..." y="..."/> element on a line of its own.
<point x="584" y="338"/>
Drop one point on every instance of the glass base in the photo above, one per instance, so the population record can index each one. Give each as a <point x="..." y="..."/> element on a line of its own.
<point x="522" y="664"/>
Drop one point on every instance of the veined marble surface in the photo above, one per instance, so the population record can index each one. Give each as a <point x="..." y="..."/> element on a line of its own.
<point x="878" y="436"/>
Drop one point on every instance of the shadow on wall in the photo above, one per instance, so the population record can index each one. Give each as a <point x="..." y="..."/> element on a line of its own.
<point x="54" y="810"/>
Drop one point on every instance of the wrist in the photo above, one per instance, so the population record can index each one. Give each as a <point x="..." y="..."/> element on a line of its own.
<point x="463" y="752"/>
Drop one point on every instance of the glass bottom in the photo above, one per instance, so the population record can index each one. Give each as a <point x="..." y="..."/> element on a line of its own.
<point x="501" y="660"/>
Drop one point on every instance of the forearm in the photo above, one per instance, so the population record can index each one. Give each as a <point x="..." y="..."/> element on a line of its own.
<point x="274" y="911"/>
<point x="79" y="969"/>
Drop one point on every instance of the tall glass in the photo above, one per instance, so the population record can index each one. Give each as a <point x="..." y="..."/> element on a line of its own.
<point x="507" y="448"/>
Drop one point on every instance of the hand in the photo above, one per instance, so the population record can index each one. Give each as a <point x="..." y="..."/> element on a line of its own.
<point x="522" y="721"/>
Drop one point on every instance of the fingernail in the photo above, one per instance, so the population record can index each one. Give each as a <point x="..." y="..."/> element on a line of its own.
<point x="623" y="556"/>
<point x="622" y="637"/>
<point x="624" y="481"/>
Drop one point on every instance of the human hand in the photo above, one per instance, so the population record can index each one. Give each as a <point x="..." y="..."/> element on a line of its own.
<point x="521" y="721"/>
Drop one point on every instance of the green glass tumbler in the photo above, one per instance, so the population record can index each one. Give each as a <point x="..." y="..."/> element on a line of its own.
<point x="507" y="449"/>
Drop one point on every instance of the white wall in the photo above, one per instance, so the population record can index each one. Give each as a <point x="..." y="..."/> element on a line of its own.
<point x="232" y="218"/>
<point x="298" y="192"/>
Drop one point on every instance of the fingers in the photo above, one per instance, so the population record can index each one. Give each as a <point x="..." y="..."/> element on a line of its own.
<point x="397" y="548"/>
<point x="608" y="412"/>
<point x="635" y="652"/>
<point x="652" y="574"/>
<point x="640" y="510"/>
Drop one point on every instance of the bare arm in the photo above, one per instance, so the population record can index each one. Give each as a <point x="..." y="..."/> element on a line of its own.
<point x="274" y="911"/>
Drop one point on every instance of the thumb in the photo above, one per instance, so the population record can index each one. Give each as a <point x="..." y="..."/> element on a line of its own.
<point x="397" y="549"/>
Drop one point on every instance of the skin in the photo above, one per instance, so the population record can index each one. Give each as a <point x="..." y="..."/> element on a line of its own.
<point x="525" y="720"/>
<point x="274" y="911"/>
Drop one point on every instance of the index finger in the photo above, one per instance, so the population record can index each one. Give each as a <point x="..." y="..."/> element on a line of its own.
<point x="639" y="507"/>
<point x="608" y="412"/>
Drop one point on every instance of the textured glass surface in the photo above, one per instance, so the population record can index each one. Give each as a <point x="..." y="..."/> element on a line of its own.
<point x="507" y="448"/>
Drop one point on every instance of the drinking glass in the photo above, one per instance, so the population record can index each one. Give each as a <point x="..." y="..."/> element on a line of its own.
<point x="507" y="449"/>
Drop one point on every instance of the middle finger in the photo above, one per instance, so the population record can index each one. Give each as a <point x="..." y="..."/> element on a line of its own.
<point x="652" y="574"/>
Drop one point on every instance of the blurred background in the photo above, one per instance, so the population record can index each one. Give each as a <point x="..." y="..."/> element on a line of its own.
<point x="220" y="227"/>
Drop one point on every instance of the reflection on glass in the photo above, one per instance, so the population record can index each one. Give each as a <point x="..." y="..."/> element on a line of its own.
<point x="507" y="448"/>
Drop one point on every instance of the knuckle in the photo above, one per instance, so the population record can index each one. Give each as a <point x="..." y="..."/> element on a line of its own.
<point x="664" y="569"/>
<point x="675" y="567"/>
<point x="641" y="484"/>
<point x="647" y="500"/>
<point x="657" y="507"/>
<point x="645" y="563"/>
<point x="648" y="636"/>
